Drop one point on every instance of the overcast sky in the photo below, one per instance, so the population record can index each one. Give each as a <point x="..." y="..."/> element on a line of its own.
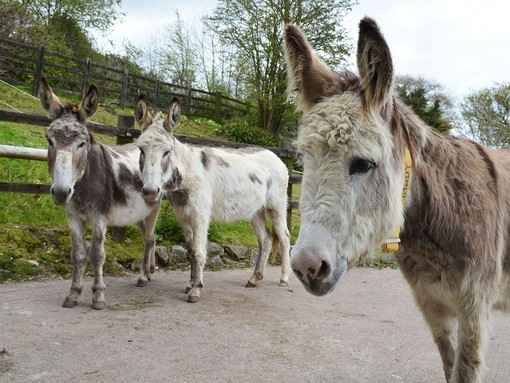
<point x="462" y="44"/>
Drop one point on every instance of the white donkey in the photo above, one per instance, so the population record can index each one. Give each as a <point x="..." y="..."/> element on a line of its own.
<point x="455" y="245"/>
<point x="98" y="184"/>
<point x="207" y="184"/>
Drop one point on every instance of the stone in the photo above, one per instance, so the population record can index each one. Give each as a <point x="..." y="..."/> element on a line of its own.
<point x="238" y="253"/>
<point x="161" y="256"/>
<point x="214" y="249"/>
<point x="179" y="254"/>
<point x="214" y="261"/>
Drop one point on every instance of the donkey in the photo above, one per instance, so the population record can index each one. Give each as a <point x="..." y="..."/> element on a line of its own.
<point x="206" y="184"/>
<point x="98" y="184"/>
<point x="454" y="250"/>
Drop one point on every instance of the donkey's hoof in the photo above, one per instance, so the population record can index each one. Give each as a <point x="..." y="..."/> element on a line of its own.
<point x="141" y="283"/>
<point x="69" y="303"/>
<point x="98" y="305"/>
<point x="283" y="283"/>
<point x="193" y="299"/>
<point x="251" y="284"/>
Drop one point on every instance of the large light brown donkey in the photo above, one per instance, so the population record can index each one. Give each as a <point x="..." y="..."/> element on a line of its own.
<point x="455" y="223"/>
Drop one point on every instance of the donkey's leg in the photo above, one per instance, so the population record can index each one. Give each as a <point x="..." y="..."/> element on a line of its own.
<point x="442" y="323"/>
<point x="188" y="236"/>
<point x="198" y="256"/>
<point x="79" y="258"/>
<point x="282" y="233"/>
<point x="97" y="256"/>
<point x="147" y="228"/>
<point x="264" y="239"/>
<point x="472" y="338"/>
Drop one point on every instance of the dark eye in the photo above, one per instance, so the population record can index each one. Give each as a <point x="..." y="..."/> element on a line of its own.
<point x="82" y="144"/>
<point x="360" y="165"/>
<point x="166" y="153"/>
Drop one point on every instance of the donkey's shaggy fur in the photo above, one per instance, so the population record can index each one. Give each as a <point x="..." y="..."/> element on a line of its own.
<point x="455" y="235"/>
<point x="207" y="184"/>
<point x="98" y="184"/>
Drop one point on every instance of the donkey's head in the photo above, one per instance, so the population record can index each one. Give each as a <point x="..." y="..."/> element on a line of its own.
<point x="353" y="178"/>
<point x="157" y="143"/>
<point x="68" y="140"/>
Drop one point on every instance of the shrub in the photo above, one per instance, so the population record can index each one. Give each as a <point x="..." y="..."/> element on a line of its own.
<point x="239" y="130"/>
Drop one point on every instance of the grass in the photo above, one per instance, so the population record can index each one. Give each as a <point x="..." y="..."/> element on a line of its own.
<point x="34" y="228"/>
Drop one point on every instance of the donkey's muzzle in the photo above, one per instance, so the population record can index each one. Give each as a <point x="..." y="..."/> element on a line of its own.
<point x="61" y="195"/>
<point x="317" y="275"/>
<point x="150" y="193"/>
<point x="314" y="259"/>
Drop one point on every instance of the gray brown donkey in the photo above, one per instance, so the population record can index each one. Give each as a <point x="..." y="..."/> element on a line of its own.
<point x="98" y="185"/>
<point x="455" y="223"/>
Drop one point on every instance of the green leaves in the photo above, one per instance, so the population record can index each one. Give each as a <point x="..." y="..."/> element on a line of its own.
<point x="487" y="115"/>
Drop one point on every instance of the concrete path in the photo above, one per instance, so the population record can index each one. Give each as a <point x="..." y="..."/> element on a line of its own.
<point x="367" y="330"/>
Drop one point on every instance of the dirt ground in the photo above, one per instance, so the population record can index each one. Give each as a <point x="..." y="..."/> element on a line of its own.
<point x="367" y="330"/>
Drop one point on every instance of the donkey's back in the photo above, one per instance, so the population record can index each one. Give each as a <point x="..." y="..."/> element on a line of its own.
<point x="237" y="193"/>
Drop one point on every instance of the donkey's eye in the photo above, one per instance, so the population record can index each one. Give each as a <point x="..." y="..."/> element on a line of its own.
<point x="360" y="165"/>
<point x="82" y="144"/>
<point x="166" y="153"/>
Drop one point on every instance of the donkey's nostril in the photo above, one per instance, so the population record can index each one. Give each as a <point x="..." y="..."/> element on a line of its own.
<point x="323" y="272"/>
<point x="145" y="191"/>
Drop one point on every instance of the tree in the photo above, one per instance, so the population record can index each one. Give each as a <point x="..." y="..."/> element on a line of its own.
<point x="96" y="14"/>
<point x="254" y="28"/>
<point x="178" y="58"/>
<point x="60" y="25"/>
<point x="487" y="115"/>
<point x="429" y="100"/>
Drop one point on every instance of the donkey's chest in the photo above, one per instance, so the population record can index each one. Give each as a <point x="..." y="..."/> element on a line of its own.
<point x="130" y="210"/>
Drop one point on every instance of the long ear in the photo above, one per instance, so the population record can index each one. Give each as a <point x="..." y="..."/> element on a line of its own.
<point x="307" y="74"/>
<point x="374" y="65"/>
<point x="142" y="114"/>
<point x="88" y="104"/>
<point x="174" y="116"/>
<point x="50" y="102"/>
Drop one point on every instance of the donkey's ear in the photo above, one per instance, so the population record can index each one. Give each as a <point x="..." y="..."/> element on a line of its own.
<point x="174" y="116"/>
<point x="50" y="102"/>
<point x="374" y="65"/>
<point x="308" y="75"/>
<point x="88" y="104"/>
<point x="142" y="114"/>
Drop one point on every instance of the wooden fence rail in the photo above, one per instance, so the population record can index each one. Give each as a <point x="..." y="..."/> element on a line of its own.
<point x="125" y="132"/>
<point x="23" y="65"/>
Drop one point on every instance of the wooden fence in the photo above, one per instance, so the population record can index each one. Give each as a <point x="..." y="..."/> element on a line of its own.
<point x="23" y="65"/>
<point x="125" y="132"/>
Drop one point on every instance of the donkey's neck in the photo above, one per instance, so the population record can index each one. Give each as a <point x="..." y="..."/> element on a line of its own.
<point x="453" y="181"/>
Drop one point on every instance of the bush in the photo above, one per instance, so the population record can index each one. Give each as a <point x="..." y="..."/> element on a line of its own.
<point x="239" y="130"/>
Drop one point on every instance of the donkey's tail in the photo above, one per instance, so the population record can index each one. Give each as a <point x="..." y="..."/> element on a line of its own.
<point x="274" y="248"/>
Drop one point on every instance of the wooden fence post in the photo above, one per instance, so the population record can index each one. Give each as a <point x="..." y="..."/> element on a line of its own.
<point x="188" y="101"/>
<point x="217" y="107"/>
<point x="156" y="95"/>
<point x="86" y="76"/>
<point x="38" y="70"/>
<point x="123" y="123"/>
<point x="124" y="91"/>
